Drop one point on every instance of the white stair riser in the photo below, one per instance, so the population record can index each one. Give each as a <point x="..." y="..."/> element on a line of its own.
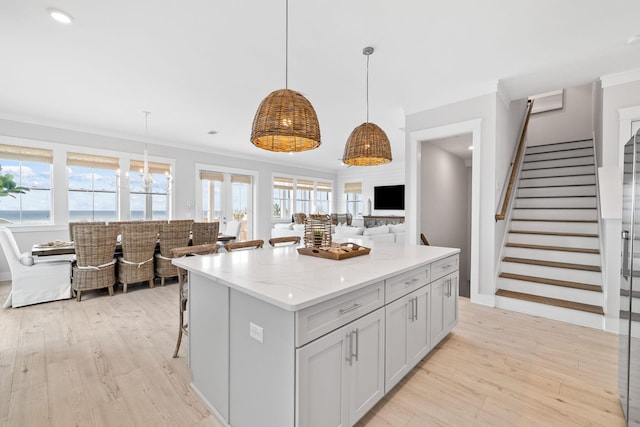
<point x="566" y="146"/>
<point x="557" y="256"/>
<point x="555" y="213"/>
<point x="557" y="202"/>
<point x="557" y="227"/>
<point x="551" y="312"/>
<point x="546" y="240"/>
<point x="561" y="154"/>
<point x="542" y="173"/>
<point x="551" y="291"/>
<point x="557" y="181"/>
<point x="580" y="276"/>
<point x="586" y="190"/>
<point x="570" y="161"/>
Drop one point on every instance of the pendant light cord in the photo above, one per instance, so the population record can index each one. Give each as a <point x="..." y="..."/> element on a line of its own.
<point x="368" y="88"/>
<point x="146" y="129"/>
<point x="286" y="47"/>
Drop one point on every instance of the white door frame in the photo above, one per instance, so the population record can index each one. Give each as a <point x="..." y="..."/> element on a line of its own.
<point x="414" y="199"/>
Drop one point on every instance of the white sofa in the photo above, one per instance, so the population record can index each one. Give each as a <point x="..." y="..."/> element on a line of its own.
<point x="383" y="233"/>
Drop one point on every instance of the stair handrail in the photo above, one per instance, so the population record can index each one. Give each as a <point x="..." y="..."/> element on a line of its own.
<point x="515" y="165"/>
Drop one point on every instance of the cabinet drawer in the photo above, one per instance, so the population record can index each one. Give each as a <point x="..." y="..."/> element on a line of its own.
<point x="313" y="322"/>
<point x="400" y="285"/>
<point x="444" y="266"/>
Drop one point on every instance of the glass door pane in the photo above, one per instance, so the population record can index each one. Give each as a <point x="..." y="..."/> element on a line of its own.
<point x="228" y="197"/>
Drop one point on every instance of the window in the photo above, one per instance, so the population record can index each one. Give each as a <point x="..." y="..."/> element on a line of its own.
<point x="31" y="168"/>
<point x="93" y="193"/>
<point x="152" y="203"/>
<point x="323" y="197"/>
<point x="282" y="195"/>
<point x="303" y="196"/>
<point x="353" y="193"/>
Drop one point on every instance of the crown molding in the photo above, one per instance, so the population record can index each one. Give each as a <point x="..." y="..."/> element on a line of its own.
<point x="620" y="78"/>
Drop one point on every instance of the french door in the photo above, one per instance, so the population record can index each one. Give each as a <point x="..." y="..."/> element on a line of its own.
<point x="228" y="197"/>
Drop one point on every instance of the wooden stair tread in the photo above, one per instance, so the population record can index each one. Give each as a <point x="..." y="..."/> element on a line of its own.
<point x="593" y="221"/>
<point x="553" y="248"/>
<point x="554" y="264"/>
<point x="564" y="196"/>
<point x="553" y="233"/>
<point x="555" y="282"/>
<point x="551" y="301"/>
<point x="553" y="207"/>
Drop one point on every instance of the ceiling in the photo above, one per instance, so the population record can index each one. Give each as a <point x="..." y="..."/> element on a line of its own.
<point x="458" y="145"/>
<point x="206" y="65"/>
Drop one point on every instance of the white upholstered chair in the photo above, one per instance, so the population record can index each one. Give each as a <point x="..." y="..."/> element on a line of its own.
<point x="232" y="229"/>
<point x="34" y="282"/>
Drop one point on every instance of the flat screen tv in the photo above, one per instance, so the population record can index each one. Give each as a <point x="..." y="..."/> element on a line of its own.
<point x="388" y="197"/>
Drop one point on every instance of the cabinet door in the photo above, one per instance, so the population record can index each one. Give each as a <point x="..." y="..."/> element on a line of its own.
<point x="366" y="365"/>
<point x="438" y="291"/>
<point x="322" y="380"/>
<point x="419" y="342"/>
<point x="396" y="341"/>
<point x="451" y="303"/>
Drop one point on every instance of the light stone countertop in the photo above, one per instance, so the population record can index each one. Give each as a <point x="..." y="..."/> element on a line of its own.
<point x="292" y="281"/>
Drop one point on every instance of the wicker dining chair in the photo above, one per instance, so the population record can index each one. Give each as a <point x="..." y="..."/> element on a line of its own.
<point x="183" y="291"/>
<point x="72" y="224"/>
<point x="94" y="267"/>
<point x="138" y="247"/>
<point x="174" y="234"/>
<point x="204" y="233"/>
<point x="294" y="240"/>
<point x="247" y="244"/>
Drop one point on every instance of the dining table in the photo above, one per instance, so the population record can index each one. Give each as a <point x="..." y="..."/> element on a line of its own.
<point x="59" y="247"/>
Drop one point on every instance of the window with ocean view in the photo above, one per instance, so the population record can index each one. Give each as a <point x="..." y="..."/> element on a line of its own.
<point x="93" y="190"/>
<point x="31" y="168"/>
<point x="153" y="205"/>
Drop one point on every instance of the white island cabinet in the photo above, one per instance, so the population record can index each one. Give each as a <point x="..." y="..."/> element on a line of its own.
<point x="288" y="340"/>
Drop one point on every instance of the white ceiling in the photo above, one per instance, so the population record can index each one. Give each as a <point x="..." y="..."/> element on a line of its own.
<point x="457" y="145"/>
<point x="205" y="65"/>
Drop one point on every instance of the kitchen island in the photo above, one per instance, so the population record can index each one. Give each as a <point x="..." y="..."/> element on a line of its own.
<point x="282" y="339"/>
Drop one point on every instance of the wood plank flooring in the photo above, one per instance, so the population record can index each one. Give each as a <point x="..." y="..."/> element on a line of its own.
<point x="106" y="361"/>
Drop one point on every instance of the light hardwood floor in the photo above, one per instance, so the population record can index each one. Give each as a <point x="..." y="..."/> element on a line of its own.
<point x="106" y="361"/>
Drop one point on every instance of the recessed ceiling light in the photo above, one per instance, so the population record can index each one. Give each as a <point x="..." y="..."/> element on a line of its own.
<point x="471" y="147"/>
<point x="60" y="16"/>
<point x="212" y="132"/>
<point x="634" y="40"/>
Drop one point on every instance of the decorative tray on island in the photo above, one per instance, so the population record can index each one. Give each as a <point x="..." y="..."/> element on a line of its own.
<point x="341" y="251"/>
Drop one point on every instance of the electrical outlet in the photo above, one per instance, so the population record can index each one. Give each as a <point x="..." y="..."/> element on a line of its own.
<point x="255" y="332"/>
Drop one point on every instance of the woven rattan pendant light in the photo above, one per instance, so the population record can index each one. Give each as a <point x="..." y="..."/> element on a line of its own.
<point x="285" y="120"/>
<point x="367" y="145"/>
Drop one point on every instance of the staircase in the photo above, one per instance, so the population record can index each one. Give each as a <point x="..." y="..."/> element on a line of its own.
<point x="551" y="265"/>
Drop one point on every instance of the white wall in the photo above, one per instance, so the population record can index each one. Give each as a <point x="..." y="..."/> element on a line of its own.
<point x="476" y="115"/>
<point x="509" y="123"/>
<point x="572" y="123"/>
<point x="445" y="204"/>
<point x="619" y="100"/>
<point x="184" y="176"/>
<point x="370" y="176"/>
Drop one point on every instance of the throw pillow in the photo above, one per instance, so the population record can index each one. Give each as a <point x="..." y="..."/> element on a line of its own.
<point x="373" y="231"/>
<point x="349" y="231"/>
<point x="287" y="226"/>
<point x="298" y="227"/>
<point x="26" y="259"/>
<point x="397" y="228"/>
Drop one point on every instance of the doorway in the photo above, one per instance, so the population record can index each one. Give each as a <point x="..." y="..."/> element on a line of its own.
<point x="446" y="178"/>
<point x="227" y="196"/>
